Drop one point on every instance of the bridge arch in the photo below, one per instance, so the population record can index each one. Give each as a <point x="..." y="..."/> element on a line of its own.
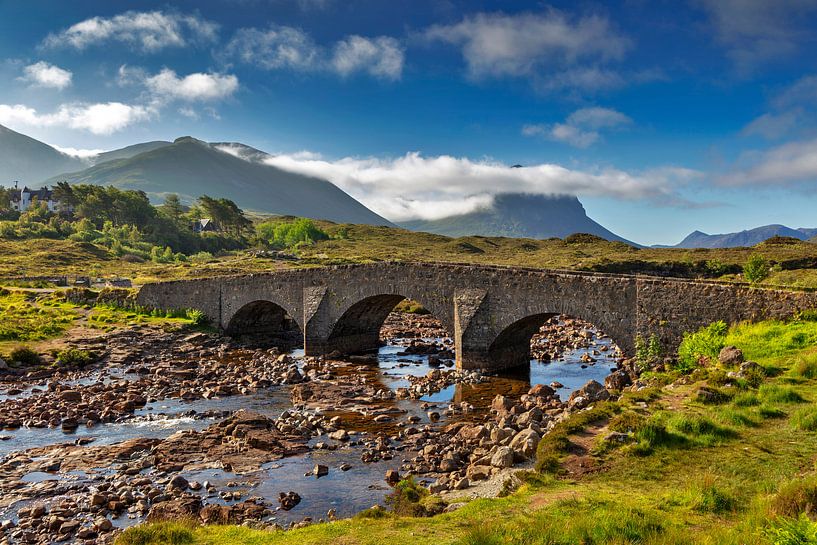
<point x="357" y="328"/>
<point x="265" y="321"/>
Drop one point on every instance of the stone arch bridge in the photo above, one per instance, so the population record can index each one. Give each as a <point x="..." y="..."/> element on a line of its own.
<point x="491" y="312"/>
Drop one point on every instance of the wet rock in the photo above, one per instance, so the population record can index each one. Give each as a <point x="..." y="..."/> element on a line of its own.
<point x="339" y="435"/>
<point x="320" y="470"/>
<point x="288" y="500"/>
<point x="179" y="483"/>
<point x="176" y="509"/>
<point x="392" y="477"/>
<point x="71" y="396"/>
<point x="730" y="356"/>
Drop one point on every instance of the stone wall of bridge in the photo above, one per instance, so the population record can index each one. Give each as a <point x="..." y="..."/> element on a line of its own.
<point x="491" y="312"/>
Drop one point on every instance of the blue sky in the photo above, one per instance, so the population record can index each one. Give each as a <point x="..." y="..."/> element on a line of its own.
<point x="663" y="117"/>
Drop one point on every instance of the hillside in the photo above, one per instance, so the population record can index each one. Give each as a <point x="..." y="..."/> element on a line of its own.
<point x="750" y="237"/>
<point x="30" y="161"/>
<point x="191" y="168"/>
<point x="522" y="216"/>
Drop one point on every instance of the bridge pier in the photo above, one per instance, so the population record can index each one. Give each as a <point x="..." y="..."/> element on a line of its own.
<point x="491" y="312"/>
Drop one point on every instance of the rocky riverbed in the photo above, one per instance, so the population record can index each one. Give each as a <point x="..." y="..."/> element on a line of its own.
<point x="172" y="423"/>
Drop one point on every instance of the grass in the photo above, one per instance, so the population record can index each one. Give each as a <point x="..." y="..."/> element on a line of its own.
<point x="24" y="320"/>
<point x="29" y="319"/>
<point x="741" y="472"/>
<point x="364" y="244"/>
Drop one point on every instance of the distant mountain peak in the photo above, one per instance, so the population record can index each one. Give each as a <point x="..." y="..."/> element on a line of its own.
<point x="748" y="237"/>
<point x="520" y="215"/>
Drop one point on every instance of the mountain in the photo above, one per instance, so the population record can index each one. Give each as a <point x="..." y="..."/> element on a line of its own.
<point x="129" y="151"/>
<point x="519" y="215"/>
<point x="750" y="237"/>
<point x="192" y="168"/>
<point x="31" y="161"/>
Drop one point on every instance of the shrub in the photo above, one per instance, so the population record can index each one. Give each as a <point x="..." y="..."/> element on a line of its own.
<point x="792" y="531"/>
<point x="647" y="352"/>
<point x="409" y="499"/>
<point x="757" y="269"/>
<point x="703" y="345"/>
<point x="74" y="357"/>
<point x="795" y="498"/>
<point x="197" y="317"/>
<point x="289" y="234"/>
<point x="24" y="356"/>
<point x="583" y="238"/>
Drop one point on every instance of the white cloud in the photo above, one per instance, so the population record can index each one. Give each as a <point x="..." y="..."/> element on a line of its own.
<point x="81" y="153"/>
<point x="755" y="32"/>
<point x="380" y="57"/>
<point x="188" y="112"/>
<point x="413" y="186"/>
<point x="582" y="128"/>
<point x="551" y="47"/>
<point x="772" y="126"/>
<point x="193" y="87"/>
<point x="148" y="31"/>
<point x="282" y="47"/>
<point x="102" y="118"/>
<point x="42" y="74"/>
<point x="274" y="48"/>
<point x="785" y="165"/>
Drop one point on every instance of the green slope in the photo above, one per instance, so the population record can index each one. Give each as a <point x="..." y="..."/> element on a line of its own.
<point x="30" y="161"/>
<point x="191" y="168"/>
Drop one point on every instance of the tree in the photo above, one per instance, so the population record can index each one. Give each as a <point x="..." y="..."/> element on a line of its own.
<point x="225" y="213"/>
<point x="64" y="194"/>
<point x="757" y="269"/>
<point x="172" y="208"/>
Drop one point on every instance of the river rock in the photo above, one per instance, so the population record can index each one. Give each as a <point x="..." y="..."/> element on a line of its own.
<point x="179" y="482"/>
<point x="587" y="394"/>
<point x="288" y="500"/>
<point x="392" y="477"/>
<point x="525" y="442"/>
<point x="339" y="435"/>
<point x="320" y="470"/>
<point x="176" y="509"/>
<point x="478" y="473"/>
<point x="502" y="458"/>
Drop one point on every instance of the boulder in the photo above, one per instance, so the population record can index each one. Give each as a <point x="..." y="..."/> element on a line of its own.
<point x="525" y="442"/>
<point x="501" y="404"/>
<point x="542" y="390"/>
<point x="617" y="380"/>
<point x="288" y="500"/>
<point x="730" y="356"/>
<point x="587" y="394"/>
<point x="478" y="473"/>
<point x="71" y="396"/>
<point x="502" y="458"/>
<point x="176" y="509"/>
<point x="179" y="482"/>
<point x="392" y="477"/>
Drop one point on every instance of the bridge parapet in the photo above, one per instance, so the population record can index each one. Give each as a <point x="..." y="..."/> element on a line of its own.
<point x="491" y="312"/>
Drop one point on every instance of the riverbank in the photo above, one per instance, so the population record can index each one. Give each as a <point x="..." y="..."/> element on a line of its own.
<point x="723" y="455"/>
<point x="172" y="423"/>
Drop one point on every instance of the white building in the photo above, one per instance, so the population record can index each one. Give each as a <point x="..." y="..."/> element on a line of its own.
<point x="22" y="199"/>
